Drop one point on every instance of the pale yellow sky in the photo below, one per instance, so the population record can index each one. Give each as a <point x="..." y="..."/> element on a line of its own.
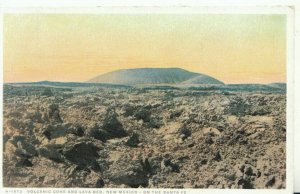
<point x="77" y="47"/>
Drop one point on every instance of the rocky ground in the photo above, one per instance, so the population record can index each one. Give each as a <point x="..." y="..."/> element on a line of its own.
<point x="130" y="137"/>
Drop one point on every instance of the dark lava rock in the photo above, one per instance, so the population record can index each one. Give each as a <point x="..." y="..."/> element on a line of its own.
<point x="110" y="129"/>
<point x="169" y="163"/>
<point x="143" y="114"/>
<point x="24" y="146"/>
<point x="217" y="156"/>
<point x="190" y="145"/>
<point x="236" y="138"/>
<point x="80" y="176"/>
<point x="249" y="171"/>
<point x="128" y="110"/>
<point x="47" y="134"/>
<point x="279" y="124"/>
<point x="52" y="152"/>
<point x="131" y="173"/>
<point x="24" y="162"/>
<point x="271" y="181"/>
<point x="175" y="114"/>
<point x="133" y="140"/>
<point x="95" y="166"/>
<point x="155" y="122"/>
<point x="53" y="113"/>
<point x="146" y="165"/>
<point x="183" y="158"/>
<point x="259" y="111"/>
<point x="245" y="183"/>
<point x="155" y="163"/>
<point x="184" y="132"/>
<point x="208" y="140"/>
<point x="258" y="174"/>
<point x="17" y="138"/>
<point x="77" y="130"/>
<point x="81" y="153"/>
<point x="113" y="126"/>
<point x="22" y="153"/>
<point x="242" y="168"/>
<point x="238" y="107"/>
<point x="52" y="131"/>
<point x="100" y="183"/>
<point x="98" y="133"/>
<point x="203" y="162"/>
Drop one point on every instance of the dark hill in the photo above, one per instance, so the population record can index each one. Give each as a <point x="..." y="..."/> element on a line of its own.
<point x="153" y="76"/>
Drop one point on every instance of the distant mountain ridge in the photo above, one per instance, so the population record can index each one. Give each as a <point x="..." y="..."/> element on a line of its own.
<point x="153" y="76"/>
<point x="69" y="84"/>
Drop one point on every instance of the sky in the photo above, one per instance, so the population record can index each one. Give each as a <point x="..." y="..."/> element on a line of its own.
<point x="78" y="47"/>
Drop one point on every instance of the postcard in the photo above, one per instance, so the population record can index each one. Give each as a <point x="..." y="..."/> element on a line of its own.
<point x="145" y="100"/>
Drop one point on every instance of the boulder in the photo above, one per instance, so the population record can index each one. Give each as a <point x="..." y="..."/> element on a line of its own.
<point x="110" y="128"/>
<point x="81" y="152"/>
<point x="93" y="180"/>
<point x="143" y="114"/>
<point x="184" y="132"/>
<point x="245" y="183"/>
<point x="133" y="140"/>
<point x="113" y="126"/>
<point x="217" y="156"/>
<point x="155" y="122"/>
<point x="168" y="163"/>
<point x="98" y="133"/>
<point x="131" y="173"/>
<point x="53" y="113"/>
<point x="128" y="110"/>
<point x="52" y="152"/>
<point x="271" y="181"/>
<point x="175" y="114"/>
<point x="24" y="162"/>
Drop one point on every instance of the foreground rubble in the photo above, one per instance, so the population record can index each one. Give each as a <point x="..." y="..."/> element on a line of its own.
<point x="128" y="137"/>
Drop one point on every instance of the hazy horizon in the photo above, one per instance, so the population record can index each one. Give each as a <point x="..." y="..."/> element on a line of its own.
<point x="78" y="47"/>
<point x="134" y="68"/>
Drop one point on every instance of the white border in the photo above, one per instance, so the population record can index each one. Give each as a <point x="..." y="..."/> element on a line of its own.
<point x="148" y="3"/>
<point x="1" y="99"/>
<point x="297" y="102"/>
<point x="155" y="10"/>
<point x="179" y="8"/>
